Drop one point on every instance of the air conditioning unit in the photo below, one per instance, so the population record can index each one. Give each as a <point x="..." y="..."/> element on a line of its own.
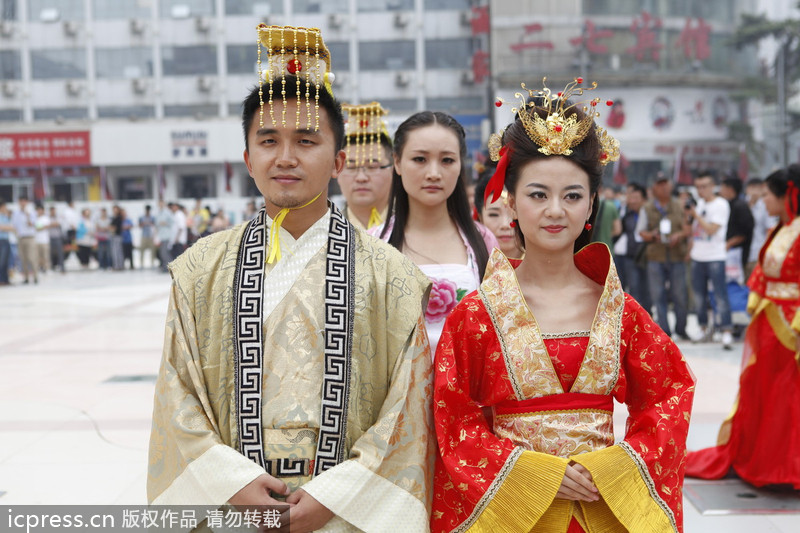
<point x="335" y="20"/>
<point x="49" y="14"/>
<point x="9" y="89"/>
<point x="137" y="26"/>
<point x="401" y="20"/>
<point x="467" y="77"/>
<point x="6" y="28"/>
<point x="205" y="84"/>
<point x="180" y="11"/>
<point x="402" y="79"/>
<point x="74" y="87"/>
<point x="139" y="85"/>
<point x="202" y="24"/>
<point x="71" y="28"/>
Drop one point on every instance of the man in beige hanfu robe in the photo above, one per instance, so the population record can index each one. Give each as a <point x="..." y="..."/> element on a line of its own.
<point x="295" y="351"/>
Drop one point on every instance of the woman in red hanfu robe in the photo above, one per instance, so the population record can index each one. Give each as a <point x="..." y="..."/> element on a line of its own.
<point x="761" y="438"/>
<point x="528" y="367"/>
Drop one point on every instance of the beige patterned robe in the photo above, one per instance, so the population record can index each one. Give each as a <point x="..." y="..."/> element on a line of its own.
<point x="384" y="481"/>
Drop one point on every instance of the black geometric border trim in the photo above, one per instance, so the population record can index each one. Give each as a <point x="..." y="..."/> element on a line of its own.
<point x="288" y="467"/>
<point x="339" y="288"/>
<point x="248" y="338"/>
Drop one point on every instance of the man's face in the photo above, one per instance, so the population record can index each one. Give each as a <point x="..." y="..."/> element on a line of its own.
<point x="367" y="185"/>
<point x="662" y="190"/>
<point x="292" y="164"/>
<point x="705" y="187"/>
<point x="727" y="192"/>
<point x="754" y="193"/>
<point x="634" y="199"/>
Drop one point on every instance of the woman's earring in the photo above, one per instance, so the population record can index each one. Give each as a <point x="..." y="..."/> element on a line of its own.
<point x="587" y="226"/>
<point x="513" y="223"/>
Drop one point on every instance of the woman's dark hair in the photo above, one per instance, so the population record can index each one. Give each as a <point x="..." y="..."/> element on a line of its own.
<point x="480" y="186"/>
<point x="586" y="155"/>
<point x="457" y="203"/>
<point x="778" y="183"/>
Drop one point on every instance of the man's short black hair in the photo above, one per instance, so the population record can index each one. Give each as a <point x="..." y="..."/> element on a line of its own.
<point x="638" y="188"/>
<point x="251" y="105"/>
<point x="733" y="183"/>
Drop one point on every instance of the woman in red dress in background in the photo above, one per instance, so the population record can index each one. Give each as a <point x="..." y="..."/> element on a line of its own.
<point x="761" y="439"/>
<point x="544" y="347"/>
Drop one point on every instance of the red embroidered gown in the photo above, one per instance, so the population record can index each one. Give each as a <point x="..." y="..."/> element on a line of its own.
<point x="761" y="439"/>
<point x="503" y="475"/>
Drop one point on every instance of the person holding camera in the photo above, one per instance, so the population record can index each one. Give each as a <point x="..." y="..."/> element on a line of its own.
<point x="662" y="225"/>
<point x="709" y="252"/>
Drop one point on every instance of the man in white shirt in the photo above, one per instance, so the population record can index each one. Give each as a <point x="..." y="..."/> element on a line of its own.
<point x="708" y="257"/>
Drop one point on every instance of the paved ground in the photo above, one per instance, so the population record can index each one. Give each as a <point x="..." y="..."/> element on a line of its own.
<point x="77" y="355"/>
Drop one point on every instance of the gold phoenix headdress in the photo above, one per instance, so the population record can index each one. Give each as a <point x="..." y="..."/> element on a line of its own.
<point x="557" y="133"/>
<point x="293" y="51"/>
<point x="364" y="128"/>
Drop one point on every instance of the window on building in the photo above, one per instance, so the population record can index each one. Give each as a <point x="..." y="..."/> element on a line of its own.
<point x="387" y="55"/>
<point x="121" y="9"/>
<point x="242" y="58"/>
<point x="717" y="10"/>
<point x="189" y="60"/>
<point x="55" y="10"/>
<point x="197" y="186"/>
<point x="320" y="6"/>
<point x="134" y="188"/>
<point x="132" y="62"/>
<point x="61" y="113"/>
<point x="55" y="64"/>
<point x="10" y="65"/>
<point x="11" y="189"/>
<point x="612" y="7"/>
<point x="10" y="115"/>
<point x="249" y="188"/>
<point x="463" y="104"/>
<point x="434" y="5"/>
<point x="74" y="189"/>
<point x="6" y="191"/>
<point x="181" y="9"/>
<point x="396" y="106"/>
<point x="258" y="8"/>
<point x="197" y="111"/>
<point x="129" y="112"/>
<point x="385" y="5"/>
<point x="8" y="9"/>
<point x="340" y="56"/>
<point x="449" y="53"/>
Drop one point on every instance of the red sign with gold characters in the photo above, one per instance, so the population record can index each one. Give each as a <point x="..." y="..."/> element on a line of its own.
<point x="48" y="148"/>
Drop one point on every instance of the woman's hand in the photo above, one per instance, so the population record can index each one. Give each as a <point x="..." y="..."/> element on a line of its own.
<point x="577" y="485"/>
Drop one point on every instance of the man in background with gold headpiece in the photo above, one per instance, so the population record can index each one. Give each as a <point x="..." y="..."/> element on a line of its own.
<point x="296" y="366"/>
<point x="366" y="179"/>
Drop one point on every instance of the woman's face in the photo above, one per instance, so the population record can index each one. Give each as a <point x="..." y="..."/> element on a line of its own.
<point x="774" y="204"/>
<point x="497" y="217"/>
<point x="430" y="165"/>
<point x="552" y="202"/>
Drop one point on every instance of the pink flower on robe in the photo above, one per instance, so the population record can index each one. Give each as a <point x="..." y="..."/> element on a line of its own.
<point x="443" y="299"/>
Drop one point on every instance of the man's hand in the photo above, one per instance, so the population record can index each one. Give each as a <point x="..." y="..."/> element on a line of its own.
<point x="306" y="513"/>
<point x="577" y="485"/>
<point x="258" y="492"/>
